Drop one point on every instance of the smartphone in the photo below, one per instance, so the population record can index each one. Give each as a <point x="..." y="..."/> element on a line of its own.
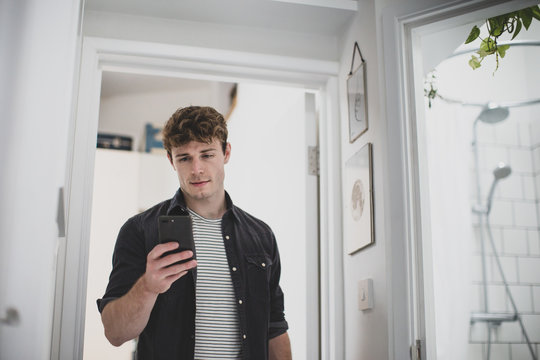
<point x="176" y="228"/>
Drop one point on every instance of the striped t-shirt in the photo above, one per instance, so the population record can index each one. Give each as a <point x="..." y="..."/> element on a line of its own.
<point x="217" y="332"/>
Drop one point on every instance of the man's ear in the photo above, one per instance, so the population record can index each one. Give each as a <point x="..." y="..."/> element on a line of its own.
<point x="227" y="153"/>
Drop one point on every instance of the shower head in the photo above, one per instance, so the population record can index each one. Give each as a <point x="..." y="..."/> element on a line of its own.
<point x="492" y="113"/>
<point x="501" y="171"/>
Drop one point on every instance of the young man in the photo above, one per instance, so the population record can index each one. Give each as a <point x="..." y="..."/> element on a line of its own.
<point x="226" y="303"/>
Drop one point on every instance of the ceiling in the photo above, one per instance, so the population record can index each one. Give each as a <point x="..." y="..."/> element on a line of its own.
<point x="321" y="17"/>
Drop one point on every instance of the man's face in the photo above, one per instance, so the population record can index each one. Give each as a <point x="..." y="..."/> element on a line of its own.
<point x="200" y="169"/>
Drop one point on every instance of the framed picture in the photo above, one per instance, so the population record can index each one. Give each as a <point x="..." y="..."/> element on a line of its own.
<point x="358" y="201"/>
<point x="357" y="102"/>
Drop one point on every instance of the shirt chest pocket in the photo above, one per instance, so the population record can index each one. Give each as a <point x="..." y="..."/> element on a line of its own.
<point x="258" y="275"/>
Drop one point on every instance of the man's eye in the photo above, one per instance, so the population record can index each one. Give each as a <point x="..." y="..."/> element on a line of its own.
<point x="184" y="159"/>
<point x="207" y="156"/>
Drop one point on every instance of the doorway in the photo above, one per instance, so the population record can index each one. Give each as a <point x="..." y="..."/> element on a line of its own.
<point x="442" y="233"/>
<point x="270" y="150"/>
<point x="100" y="55"/>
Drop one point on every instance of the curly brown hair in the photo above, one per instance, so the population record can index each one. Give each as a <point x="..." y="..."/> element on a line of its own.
<point x="194" y="123"/>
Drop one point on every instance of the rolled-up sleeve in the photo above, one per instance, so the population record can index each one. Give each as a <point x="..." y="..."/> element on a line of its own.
<point x="278" y="325"/>
<point x="129" y="262"/>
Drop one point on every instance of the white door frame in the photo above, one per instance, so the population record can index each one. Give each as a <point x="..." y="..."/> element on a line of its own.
<point x="411" y="316"/>
<point x="201" y="63"/>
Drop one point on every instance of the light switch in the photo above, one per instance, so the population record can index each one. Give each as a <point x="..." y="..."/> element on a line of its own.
<point x="365" y="294"/>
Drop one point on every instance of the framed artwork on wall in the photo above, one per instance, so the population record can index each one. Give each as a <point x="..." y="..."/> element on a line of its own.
<point x="359" y="231"/>
<point x="357" y="98"/>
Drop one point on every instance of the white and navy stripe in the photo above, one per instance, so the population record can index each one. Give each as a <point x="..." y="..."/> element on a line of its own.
<point x="217" y="331"/>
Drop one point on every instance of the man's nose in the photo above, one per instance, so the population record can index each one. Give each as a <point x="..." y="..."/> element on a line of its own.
<point x="197" y="167"/>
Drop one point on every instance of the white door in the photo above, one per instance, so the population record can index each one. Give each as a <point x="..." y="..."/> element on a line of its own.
<point x="38" y="54"/>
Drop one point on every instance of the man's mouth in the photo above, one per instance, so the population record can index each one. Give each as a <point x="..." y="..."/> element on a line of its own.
<point x="199" y="183"/>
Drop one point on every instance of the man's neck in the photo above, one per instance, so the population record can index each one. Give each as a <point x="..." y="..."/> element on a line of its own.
<point x="207" y="208"/>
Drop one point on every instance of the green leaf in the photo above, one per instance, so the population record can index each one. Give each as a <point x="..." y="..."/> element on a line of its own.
<point x="473" y="35"/>
<point x="474" y="63"/>
<point x="488" y="45"/>
<point x="517" y="28"/>
<point x="501" y="49"/>
<point x="483" y="53"/>
<point x="496" y="25"/>
<point x="526" y="16"/>
<point x="535" y="12"/>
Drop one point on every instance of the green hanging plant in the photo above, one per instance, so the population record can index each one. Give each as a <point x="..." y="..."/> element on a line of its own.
<point x="511" y="23"/>
<point x="430" y="87"/>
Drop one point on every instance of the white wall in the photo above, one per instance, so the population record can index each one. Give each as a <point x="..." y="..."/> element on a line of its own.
<point x="142" y="28"/>
<point x="366" y="331"/>
<point x="38" y="45"/>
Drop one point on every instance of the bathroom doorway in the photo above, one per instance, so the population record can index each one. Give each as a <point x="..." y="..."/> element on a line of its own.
<point x="476" y="186"/>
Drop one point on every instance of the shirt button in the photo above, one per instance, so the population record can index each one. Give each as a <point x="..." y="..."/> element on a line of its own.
<point x="263" y="265"/>
<point x="227" y="237"/>
<point x="240" y="302"/>
<point x="244" y="336"/>
<point x="234" y="268"/>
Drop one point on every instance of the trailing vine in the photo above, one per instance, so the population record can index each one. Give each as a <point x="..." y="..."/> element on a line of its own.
<point x="510" y="23"/>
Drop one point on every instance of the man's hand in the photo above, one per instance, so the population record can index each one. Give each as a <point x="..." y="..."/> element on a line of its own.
<point x="126" y="317"/>
<point x="160" y="271"/>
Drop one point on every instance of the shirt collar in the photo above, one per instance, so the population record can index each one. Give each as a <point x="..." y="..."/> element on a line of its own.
<point x="179" y="203"/>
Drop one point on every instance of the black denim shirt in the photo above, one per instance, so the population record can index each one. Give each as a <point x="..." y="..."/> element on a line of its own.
<point x="251" y="248"/>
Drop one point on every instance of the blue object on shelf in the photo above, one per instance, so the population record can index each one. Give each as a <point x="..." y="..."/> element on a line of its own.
<point x="153" y="138"/>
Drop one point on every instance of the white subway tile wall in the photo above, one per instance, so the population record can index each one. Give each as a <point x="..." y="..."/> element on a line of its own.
<point x="478" y="332"/>
<point x="521" y="160"/>
<point x="536" y="298"/>
<point x="497" y="298"/>
<point x="536" y="157"/>
<point x="507" y="133"/>
<point x="532" y="325"/>
<point x="515" y="241"/>
<point x="500" y="351"/>
<point x="525" y="214"/>
<point x="515" y="226"/>
<point x="520" y="351"/>
<point x="475" y="351"/>
<point x="510" y="188"/>
<point x="525" y="134"/>
<point x="509" y="269"/>
<point x="476" y="268"/>
<point x="523" y="297"/>
<point x="535" y="130"/>
<point x="508" y="332"/>
<point x="529" y="191"/>
<point x="502" y="213"/>
<point x="475" y="298"/>
<point x="529" y="270"/>
<point x="534" y="242"/>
